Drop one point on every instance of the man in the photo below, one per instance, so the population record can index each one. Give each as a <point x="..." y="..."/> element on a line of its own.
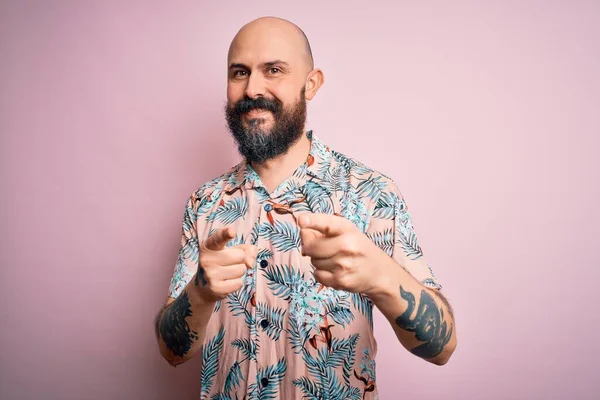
<point x="283" y="257"/>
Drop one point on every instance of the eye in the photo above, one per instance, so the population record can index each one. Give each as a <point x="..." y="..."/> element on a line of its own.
<point x="239" y="73"/>
<point x="274" y="70"/>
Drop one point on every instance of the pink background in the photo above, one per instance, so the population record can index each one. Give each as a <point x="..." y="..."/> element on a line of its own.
<point x="487" y="115"/>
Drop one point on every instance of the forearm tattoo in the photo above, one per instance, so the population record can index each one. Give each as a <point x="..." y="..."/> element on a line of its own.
<point x="200" y="277"/>
<point x="428" y="324"/>
<point x="174" y="329"/>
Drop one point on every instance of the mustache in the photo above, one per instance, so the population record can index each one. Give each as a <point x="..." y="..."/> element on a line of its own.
<point x="247" y="104"/>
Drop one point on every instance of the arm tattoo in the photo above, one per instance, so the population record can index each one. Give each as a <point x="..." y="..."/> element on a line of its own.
<point x="428" y="325"/>
<point x="200" y="277"/>
<point x="173" y="327"/>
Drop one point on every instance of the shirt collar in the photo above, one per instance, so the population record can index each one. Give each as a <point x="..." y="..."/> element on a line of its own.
<point x="316" y="166"/>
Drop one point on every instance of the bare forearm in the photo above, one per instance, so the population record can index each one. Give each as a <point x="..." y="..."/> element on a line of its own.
<point x="421" y="317"/>
<point x="181" y="326"/>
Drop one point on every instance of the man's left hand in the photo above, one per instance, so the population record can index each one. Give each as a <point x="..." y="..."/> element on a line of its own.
<point x="344" y="258"/>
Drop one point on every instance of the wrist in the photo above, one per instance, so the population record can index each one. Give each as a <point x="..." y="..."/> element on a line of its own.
<point x="385" y="281"/>
<point x="198" y="295"/>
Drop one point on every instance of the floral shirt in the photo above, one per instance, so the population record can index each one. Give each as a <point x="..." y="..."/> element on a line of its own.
<point x="284" y="335"/>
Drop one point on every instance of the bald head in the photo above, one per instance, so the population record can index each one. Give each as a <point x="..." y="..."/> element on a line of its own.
<point x="270" y="78"/>
<point x="271" y="36"/>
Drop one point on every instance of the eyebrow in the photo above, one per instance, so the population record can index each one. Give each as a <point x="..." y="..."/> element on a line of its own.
<point x="265" y="64"/>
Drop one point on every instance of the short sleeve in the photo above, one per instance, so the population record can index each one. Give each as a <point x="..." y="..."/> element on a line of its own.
<point x="187" y="259"/>
<point x="392" y="229"/>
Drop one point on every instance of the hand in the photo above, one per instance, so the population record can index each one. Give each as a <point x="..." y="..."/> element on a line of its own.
<point x="220" y="269"/>
<point x="344" y="258"/>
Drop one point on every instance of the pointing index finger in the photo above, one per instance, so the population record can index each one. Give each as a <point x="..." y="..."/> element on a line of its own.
<point x="219" y="239"/>
<point x="328" y="225"/>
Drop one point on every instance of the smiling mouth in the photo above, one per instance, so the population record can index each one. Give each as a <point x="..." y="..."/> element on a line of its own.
<point x="259" y="112"/>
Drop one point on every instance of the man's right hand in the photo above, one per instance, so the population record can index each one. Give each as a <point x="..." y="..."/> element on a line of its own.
<point x="220" y="269"/>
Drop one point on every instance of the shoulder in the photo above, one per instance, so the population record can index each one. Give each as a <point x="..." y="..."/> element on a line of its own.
<point x="367" y="180"/>
<point x="215" y="186"/>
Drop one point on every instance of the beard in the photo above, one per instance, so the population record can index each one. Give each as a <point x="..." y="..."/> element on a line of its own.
<point x="258" y="144"/>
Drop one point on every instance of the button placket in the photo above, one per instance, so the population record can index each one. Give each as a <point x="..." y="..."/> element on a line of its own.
<point x="265" y="216"/>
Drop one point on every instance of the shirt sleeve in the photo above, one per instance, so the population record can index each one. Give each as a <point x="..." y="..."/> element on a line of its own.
<point x="392" y="230"/>
<point x="187" y="259"/>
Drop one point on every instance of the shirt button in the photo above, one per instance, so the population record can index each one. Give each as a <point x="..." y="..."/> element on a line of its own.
<point x="268" y="207"/>
<point x="264" y="263"/>
<point x="264" y="381"/>
<point x="264" y="323"/>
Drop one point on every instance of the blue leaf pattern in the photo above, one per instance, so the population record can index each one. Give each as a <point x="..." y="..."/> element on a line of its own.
<point x="273" y="374"/>
<point x="230" y="212"/>
<point x="210" y="360"/>
<point x="282" y="316"/>
<point x="284" y="236"/>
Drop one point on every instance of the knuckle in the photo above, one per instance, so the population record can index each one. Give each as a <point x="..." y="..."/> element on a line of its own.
<point x="345" y="263"/>
<point x="351" y="245"/>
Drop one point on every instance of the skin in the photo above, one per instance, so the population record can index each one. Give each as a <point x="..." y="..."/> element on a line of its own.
<point x="269" y="57"/>
<point x="346" y="259"/>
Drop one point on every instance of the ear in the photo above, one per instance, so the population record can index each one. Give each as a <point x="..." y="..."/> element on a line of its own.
<point x="314" y="80"/>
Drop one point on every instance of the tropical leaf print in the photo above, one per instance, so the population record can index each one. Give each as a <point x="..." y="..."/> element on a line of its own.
<point x="205" y="203"/>
<point x="323" y="169"/>
<point x="337" y="179"/>
<point x="367" y="365"/>
<point x="353" y="393"/>
<point x="262" y="195"/>
<point x="317" y="198"/>
<point x="340" y="350"/>
<point x="323" y="370"/>
<point x="385" y="206"/>
<point x="300" y="172"/>
<point x="384" y="240"/>
<point x="290" y="190"/>
<point x="410" y="245"/>
<point x="274" y="317"/>
<point x="345" y="161"/>
<point x="309" y="389"/>
<point x="272" y="376"/>
<point x="283" y="235"/>
<point x="230" y="212"/>
<point x="217" y="306"/>
<point x="372" y="187"/>
<point x="190" y="250"/>
<point x="354" y="209"/>
<point x="430" y="282"/>
<point x="297" y="335"/>
<point x="348" y="364"/>
<point x="364" y="305"/>
<point x="210" y="360"/>
<point x="341" y="315"/>
<point x="248" y="347"/>
<point x="234" y="377"/>
<point x="238" y="301"/>
<point x="189" y="245"/>
<point x="264" y="254"/>
<point x="282" y="280"/>
<point x="315" y="367"/>
<point x="189" y="215"/>
<point x="331" y="387"/>
<point x="181" y="276"/>
<point x="255" y="233"/>
<point x="405" y="233"/>
<point x="220" y="396"/>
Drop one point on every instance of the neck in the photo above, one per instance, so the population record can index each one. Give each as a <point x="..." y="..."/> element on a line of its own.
<point x="273" y="172"/>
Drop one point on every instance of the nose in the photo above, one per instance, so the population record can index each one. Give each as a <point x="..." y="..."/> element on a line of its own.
<point x="255" y="86"/>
